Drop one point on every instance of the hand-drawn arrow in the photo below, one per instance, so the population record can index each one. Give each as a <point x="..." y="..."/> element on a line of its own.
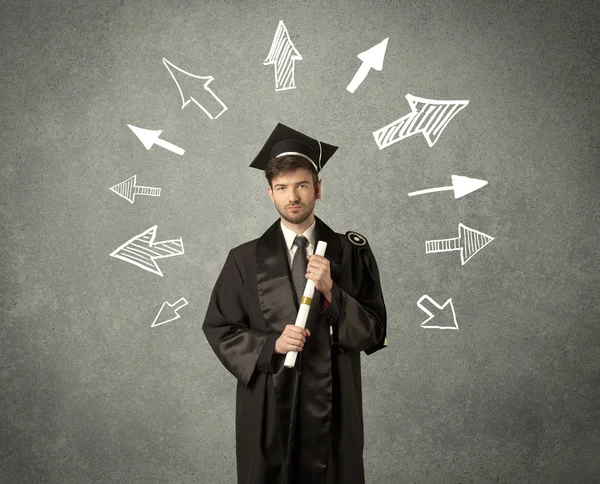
<point x="142" y="251"/>
<point x="217" y="105"/>
<point x="371" y="59"/>
<point x="168" y="312"/>
<point x="150" y="137"/>
<point x="284" y="55"/>
<point x="128" y="189"/>
<point x="461" y="185"/>
<point x="436" y="310"/>
<point x="427" y="116"/>
<point x="469" y="242"/>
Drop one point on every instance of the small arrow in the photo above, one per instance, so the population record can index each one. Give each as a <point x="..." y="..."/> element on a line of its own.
<point x="142" y="251"/>
<point x="469" y="242"/>
<point x="461" y="185"/>
<point x="216" y="105"/>
<point x="371" y="59"/>
<point x="150" y="137"/>
<point x="442" y="312"/>
<point x="169" y="311"/>
<point x="284" y="55"/>
<point x="128" y="189"/>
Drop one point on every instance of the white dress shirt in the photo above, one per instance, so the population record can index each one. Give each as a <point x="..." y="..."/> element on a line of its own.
<point x="290" y="235"/>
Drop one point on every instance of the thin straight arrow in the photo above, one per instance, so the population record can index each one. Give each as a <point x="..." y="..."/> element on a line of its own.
<point x="462" y="185"/>
<point x="371" y="59"/>
<point x="150" y="137"/>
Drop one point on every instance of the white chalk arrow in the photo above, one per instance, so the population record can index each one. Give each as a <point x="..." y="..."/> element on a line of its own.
<point x="142" y="251"/>
<point x="284" y="55"/>
<point x="208" y="101"/>
<point x="468" y="242"/>
<point x="441" y="312"/>
<point x="371" y="59"/>
<point x="462" y="185"/>
<point x="150" y="137"/>
<point x="128" y="189"/>
<point x="428" y="116"/>
<point x="165" y="314"/>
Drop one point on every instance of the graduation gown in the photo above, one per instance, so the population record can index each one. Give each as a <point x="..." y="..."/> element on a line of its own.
<point x="252" y="301"/>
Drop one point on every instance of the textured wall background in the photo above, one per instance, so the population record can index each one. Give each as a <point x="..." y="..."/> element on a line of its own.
<point x="91" y="393"/>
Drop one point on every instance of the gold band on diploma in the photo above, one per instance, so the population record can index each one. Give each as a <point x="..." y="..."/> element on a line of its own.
<point x="306" y="300"/>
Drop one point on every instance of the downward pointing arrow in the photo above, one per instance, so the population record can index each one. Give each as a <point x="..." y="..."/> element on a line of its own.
<point x="150" y="137"/>
<point x="441" y="312"/>
<point x="372" y="59"/>
<point x="167" y="310"/>
<point x="462" y="185"/>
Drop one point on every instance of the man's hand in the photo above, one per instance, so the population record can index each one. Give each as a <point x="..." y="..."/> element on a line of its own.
<point x="292" y="339"/>
<point x="318" y="271"/>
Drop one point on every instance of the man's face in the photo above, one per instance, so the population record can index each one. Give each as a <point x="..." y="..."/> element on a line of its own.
<point x="294" y="195"/>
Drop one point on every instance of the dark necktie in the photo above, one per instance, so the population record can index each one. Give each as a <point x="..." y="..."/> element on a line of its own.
<point x="299" y="265"/>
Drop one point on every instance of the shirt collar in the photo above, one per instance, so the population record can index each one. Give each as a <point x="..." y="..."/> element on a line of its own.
<point x="290" y="235"/>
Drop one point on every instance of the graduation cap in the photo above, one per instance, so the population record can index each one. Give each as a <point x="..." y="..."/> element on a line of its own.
<point x="287" y="141"/>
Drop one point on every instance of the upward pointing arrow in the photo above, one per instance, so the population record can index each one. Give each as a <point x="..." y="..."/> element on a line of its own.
<point x="372" y="59"/>
<point x="284" y="55"/>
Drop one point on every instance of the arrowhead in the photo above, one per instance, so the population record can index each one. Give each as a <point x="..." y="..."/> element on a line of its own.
<point x="147" y="136"/>
<point x="463" y="185"/>
<point x="440" y="316"/>
<point x="185" y="98"/>
<point x="125" y="189"/>
<point x="373" y="57"/>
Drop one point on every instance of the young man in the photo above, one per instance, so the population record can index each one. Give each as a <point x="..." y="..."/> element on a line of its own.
<point x="305" y="424"/>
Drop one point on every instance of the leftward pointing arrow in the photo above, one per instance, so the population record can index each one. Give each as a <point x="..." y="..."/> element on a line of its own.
<point x="142" y="251"/>
<point x="165" y="314"/>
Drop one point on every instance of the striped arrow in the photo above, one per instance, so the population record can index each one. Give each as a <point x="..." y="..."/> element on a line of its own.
<point x="284" y="55"/>
<point x="468" y="242"/>
<point x="427" y="116"/>
<point x="142" y="251"/>
<point x="128" y="189"/>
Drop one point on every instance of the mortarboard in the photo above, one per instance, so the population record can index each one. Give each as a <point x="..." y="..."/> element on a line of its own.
<point x="287" y="141"/>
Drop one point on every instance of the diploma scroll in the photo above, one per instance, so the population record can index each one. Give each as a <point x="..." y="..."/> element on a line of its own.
<point x="309" y="291"/>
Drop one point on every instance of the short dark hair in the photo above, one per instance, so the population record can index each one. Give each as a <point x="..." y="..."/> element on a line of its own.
<point x="277" y="166"/>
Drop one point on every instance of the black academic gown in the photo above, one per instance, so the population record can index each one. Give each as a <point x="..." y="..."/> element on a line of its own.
<point x="252" y="301"/>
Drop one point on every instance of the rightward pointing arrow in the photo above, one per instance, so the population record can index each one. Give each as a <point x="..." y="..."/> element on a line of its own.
<point x="150" y="137"/>
<point x="427" y="116"/>
<point x="128" y="189"/>
<point x="284" y="55"/>
<point x="461" y="185"/>
<point x="169" y="312"/>
<point x="371" y="59"/>
<point x="468" y="242"/>
<point x="142" y="251"/>
<point x="212" y="106"/>
<point x="441" y="313"/>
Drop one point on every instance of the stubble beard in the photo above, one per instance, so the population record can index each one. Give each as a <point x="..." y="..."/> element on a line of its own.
<point x="299" y="217"/>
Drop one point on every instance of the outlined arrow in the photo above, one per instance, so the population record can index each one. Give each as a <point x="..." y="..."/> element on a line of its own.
<point x="371" y="59"/>
<point x="128" y="189"/>
<point x="150" y="137"/>
<point x="441" y="312"/>
<point x="284" y="55"/>
<point x="469" y="242"/>
<point x="213" y="103"/>
<point x="142" y="251"/>
<point x="427" y="116"/>
<point x="461" y="185"/>
<point x="169" y="309"/>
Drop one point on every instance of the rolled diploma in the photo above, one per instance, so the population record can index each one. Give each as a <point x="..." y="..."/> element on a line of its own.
<point x="309" y="291"/>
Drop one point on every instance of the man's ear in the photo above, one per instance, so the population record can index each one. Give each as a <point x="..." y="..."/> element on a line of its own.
<point x="319" y="189"/>
<point x="270" y="192"/>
